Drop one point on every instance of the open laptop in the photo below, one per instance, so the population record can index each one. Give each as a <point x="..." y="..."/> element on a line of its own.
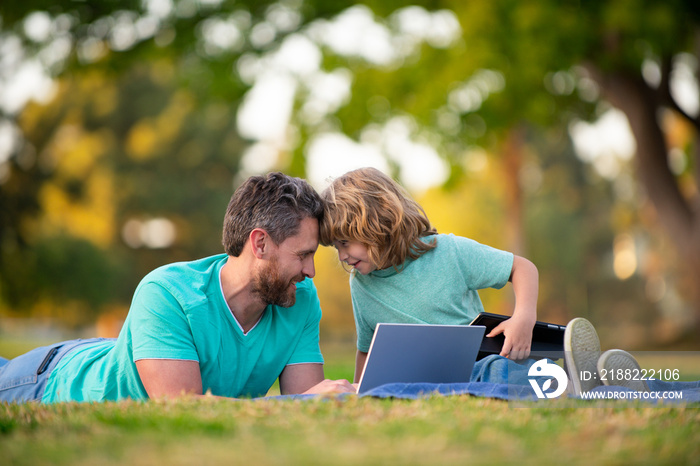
<point x="547" y="338"/>
<point x="412" y="353"/>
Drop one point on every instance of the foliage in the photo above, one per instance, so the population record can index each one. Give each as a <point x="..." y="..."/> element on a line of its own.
<point x="143" y="133"/>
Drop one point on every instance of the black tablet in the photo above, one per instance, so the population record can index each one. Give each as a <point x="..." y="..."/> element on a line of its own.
<point x="547" y="338"/>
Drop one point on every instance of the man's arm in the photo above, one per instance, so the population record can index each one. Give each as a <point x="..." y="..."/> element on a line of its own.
<point x="309" y="379"/>
<point x="168" y="378"/>
<point x="167" y="367"/>
<point x="360" y="361"/>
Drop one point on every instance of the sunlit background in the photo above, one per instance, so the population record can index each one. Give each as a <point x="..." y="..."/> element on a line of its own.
<point x="561" y="131"/>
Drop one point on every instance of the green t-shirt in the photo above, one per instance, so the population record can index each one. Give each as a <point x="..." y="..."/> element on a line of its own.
<point x="440" y="287"/>
<point x="179" y="312"/>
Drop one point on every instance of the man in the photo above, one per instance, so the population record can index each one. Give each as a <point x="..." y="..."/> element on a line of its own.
<point x="227" y="325"/>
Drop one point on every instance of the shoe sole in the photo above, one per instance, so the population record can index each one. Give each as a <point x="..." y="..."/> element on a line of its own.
<point x="619" y="368"/>
<point x="581" y="353"/>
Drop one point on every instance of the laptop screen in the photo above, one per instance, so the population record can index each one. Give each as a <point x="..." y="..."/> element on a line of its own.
<point x="414" y="353"/>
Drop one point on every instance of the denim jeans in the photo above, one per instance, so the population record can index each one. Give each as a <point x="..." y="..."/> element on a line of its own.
<point x="24" y="378"/>
<point x="664" y="386"/>
<point x="497" y="369"/>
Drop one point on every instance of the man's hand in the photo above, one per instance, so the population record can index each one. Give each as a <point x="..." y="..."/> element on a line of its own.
<point x="309" y="379"/>
<point x="332" y="386"/>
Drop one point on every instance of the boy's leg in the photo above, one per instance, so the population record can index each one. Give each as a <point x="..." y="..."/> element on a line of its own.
<point x="3" y="361"/>
<point x="581" y="354"/>
<point x="492" y="369"/>
<point x="497" y="369"/>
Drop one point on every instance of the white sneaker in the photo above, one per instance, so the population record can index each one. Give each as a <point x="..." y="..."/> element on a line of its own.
<point x="581" y="354"/>
<point x="619" y="368"/>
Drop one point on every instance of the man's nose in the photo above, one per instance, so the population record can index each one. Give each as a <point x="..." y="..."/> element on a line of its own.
<point x="309" y="269"/>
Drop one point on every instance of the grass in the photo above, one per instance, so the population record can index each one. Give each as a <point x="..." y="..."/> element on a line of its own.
<point x="351" y="430"/>
<point x="439" y="430"/>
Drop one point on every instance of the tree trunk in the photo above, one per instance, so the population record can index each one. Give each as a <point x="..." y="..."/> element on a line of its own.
<point x="677" y="214"/>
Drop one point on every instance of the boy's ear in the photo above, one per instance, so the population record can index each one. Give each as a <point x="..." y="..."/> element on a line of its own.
<point x="259" y="242"/>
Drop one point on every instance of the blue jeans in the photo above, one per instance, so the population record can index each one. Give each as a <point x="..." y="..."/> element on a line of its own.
<point x="664" y="386"/>
<point x="497" y="369"/>
<point x="24" y="378"/>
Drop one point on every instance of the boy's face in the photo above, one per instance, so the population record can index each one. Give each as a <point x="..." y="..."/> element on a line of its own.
<point x="355" y="255"/>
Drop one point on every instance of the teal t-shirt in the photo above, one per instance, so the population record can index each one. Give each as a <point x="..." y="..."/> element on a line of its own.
<point x="179" y="312"/>
<point x="440" y="287"/>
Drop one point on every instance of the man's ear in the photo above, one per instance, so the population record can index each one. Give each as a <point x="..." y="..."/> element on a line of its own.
<point x="259" y="242"/>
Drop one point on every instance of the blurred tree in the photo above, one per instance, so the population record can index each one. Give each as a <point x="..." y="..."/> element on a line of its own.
<point x="638" y="48"/>
<point x="131" y="162"/>
<point x="521" y="69"/>
<point x="165" y="81"/>
<point x="141" y="186"/>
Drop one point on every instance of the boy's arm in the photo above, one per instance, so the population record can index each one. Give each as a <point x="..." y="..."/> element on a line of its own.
<point x="518" y="329"/>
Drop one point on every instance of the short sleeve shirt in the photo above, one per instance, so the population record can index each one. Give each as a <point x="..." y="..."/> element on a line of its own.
<point x="439" y="287"/>
<point x="179" y="312"/>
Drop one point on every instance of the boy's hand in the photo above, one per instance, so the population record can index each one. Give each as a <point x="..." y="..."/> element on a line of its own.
<point x="518" y="329"/>
<point x="518" y="333"/>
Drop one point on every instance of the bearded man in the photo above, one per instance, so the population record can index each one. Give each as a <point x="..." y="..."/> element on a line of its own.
<point x="229" y="325"/>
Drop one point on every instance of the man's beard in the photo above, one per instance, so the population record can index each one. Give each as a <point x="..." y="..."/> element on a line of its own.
<point x="272" y="289"/>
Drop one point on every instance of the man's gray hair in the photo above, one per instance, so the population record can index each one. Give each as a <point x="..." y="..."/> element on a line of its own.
<point x="277" y="203"/>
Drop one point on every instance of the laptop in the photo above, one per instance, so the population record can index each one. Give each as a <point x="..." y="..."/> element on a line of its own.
<point x="414" y="353"/>
<point x="547" y="338"/>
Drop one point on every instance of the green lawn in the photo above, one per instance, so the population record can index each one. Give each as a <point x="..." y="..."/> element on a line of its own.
<point x="437" y="430"/>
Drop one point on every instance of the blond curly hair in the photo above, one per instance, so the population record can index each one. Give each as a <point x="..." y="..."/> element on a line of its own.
<point x="368" y="207"/>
